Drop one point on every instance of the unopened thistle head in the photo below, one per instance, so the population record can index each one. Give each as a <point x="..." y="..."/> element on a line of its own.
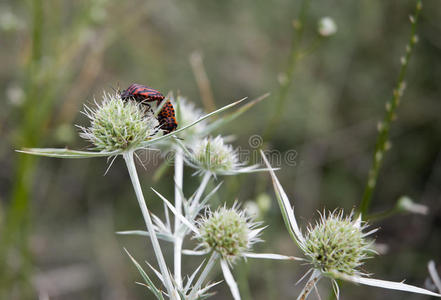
<point x="337" y="244"/>
<point x="117" y="124"/>
<point x="213" y="155"/>
<point x="229" y="232"/>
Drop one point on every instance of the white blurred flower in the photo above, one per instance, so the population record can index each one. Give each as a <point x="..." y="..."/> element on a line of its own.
<point x="327" y="27"/>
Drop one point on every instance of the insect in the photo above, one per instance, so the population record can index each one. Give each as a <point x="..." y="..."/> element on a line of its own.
<point x="144" y="94"/>
<point x="166" y="118"/>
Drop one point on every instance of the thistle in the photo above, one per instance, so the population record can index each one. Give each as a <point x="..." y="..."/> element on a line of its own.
<point x="335" y="247"/>
<point x="338" y="244"/>
<point x="227" y="232"/>
<point x="227" y="235"/>
<point x="118" y="125"/>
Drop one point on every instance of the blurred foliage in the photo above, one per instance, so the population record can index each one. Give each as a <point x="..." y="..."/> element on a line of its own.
<point x="58" y="217"/>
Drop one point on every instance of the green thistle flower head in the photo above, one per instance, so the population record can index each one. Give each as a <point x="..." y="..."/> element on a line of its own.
<point x="228" y="232"/>
<point x="338" y="244"/>
<point x="118" y="124"/>
<point x="213" y="155"/>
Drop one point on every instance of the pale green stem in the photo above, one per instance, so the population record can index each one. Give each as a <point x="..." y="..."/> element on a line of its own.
<point x="128" y="157"/>
<point x="179" y="171"/>
<point x="309" y="286"/>
<point x="210" y="264"/>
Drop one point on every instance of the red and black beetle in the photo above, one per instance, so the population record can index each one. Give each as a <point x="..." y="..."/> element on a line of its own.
<point x="167" y="118"/>
<point x="144" y="94"/>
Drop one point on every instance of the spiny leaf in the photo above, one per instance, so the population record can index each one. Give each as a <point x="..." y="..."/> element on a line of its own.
<point x="66" y="153"/>
<point x="161" y="236"/>
<point x="146" y="278"/>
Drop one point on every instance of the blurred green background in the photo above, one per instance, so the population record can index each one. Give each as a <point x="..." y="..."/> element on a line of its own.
<point x="58" y="217"/>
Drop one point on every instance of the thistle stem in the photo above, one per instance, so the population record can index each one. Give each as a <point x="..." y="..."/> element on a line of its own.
<point x="128" y="157"/>
<point x="210" y="264"/>
<point x="382" y="215"/>
<point x="179" y="171"/>
<point x="382" y="144"/>
<point x="309" y="286"/>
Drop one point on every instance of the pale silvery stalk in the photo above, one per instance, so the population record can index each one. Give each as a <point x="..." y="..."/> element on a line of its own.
<point x="128" y="157"/>
<point x="186" y="113"/>
<point x="179" y="179"/>
<point x="335" y="247"/>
